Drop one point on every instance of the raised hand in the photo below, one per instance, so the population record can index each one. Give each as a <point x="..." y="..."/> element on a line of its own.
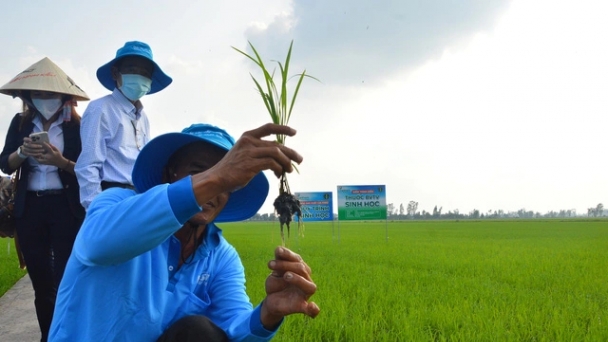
<point x="288" y="288"/>
<point x="251" y="155"/>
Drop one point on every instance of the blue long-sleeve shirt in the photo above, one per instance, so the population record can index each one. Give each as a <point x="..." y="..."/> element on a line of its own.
<point x="122" y="282"/>
<point x="113" y="131"/>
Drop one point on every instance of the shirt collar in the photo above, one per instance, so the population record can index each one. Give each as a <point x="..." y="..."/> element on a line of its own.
<point x="212" y="235"/>
<point x="211" y="240"/>
<point x="38" y="123"/>
<point x="126" y="105"/>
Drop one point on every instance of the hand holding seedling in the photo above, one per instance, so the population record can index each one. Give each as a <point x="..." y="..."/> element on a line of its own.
<point x="288" y="288"/>
<point x="249" y="156"/>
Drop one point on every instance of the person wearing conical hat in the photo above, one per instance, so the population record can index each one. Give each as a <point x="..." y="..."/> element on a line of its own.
<point x="47" y="209"/>
<point x="115" y="127"/>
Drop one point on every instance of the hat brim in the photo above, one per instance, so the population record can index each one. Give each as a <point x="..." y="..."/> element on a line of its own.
<point x="160" y="80"/>
<point x="148" y="172"/>
<point x="44" y="75"/>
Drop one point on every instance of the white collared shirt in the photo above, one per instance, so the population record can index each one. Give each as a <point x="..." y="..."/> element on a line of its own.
<point x="113" y="131"/>
<point x="46" y="177"/>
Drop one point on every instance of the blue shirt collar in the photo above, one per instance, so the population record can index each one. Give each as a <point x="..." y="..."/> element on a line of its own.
<point x="211" y="240"/>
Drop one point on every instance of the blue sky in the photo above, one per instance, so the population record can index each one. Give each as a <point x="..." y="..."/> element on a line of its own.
<point x="466" y="105"/>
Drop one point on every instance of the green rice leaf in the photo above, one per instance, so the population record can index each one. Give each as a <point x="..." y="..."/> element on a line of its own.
<point x="275" y="101"/>
<point x="295" y="167"/>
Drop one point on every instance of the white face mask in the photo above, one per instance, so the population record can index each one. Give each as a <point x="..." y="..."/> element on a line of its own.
<point x="47" y="107"/>
<point x="135" y="86"/>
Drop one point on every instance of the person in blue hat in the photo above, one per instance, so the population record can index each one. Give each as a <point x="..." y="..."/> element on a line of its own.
<point x="150" y="264"/>
<point x="115" y="127"/>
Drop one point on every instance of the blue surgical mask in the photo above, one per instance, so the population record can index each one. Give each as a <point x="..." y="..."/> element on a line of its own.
<point x="135" y="86"/>
<point x="47" y="107"/>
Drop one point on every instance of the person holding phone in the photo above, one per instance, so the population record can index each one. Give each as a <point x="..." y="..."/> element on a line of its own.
<point x="42" y="144"/>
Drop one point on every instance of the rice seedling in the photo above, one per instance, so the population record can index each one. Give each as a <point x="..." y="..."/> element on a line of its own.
<point x="280" y="109"/>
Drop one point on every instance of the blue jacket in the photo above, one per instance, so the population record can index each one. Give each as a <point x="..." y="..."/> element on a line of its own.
<point x="122" y="283"/>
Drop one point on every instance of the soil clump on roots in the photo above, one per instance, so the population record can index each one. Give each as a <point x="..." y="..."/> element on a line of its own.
<point x="286" y="205"/>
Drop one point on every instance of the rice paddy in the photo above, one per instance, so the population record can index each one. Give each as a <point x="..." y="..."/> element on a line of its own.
<point x="512" y="280"/>
<point x="443" y="281"/>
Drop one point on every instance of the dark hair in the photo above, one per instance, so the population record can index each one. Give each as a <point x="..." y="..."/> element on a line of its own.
<point x="28" y="112"/>
<point x="118" y="63"/>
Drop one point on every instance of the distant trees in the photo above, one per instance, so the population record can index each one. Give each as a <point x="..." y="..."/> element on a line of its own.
<point x="522" y="213"/>
<point x="455" y="214"/>
<point x="263" y="217"/>
<point x="412" y="207"/>
<point x="425" y="215"/>
<point x="474" y="214"/>
<point x="411" y="212"/>
<point x="394" y="213"/>
<point x="437" y="213"/>
<point x="597" y="211"/>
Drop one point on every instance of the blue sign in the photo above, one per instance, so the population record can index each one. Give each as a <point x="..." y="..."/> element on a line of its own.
<point x="316" y="206"/>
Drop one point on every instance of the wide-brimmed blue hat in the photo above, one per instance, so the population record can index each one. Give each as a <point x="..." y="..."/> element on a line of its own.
<point x="149" y="165"/>
<point x="160" y="80"/>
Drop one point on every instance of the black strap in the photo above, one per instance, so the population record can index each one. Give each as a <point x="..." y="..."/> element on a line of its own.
<point x="106" y="185"/>
<point x="49" y="192"/>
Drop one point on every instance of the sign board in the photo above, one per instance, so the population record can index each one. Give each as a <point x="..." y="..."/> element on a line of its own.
<point x="316" y="206"/>
<point x="361" y="202"/>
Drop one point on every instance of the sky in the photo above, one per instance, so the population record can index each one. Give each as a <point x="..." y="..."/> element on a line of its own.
<point x="487" y="105"/>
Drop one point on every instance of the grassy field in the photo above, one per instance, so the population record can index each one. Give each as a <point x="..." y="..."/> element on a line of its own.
<point x="443" y="281"/>
<point x="9" y="265"/>
<point x="438" y="280"/>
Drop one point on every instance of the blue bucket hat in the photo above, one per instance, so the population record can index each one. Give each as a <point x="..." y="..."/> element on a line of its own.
<point x="149" y="165"/>
<point x="160" y="80"/>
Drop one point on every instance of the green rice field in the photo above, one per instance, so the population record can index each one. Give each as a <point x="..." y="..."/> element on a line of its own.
<point x="443" y="281"/>
<point x="512" y="280"/>
<point x="9" y="265"/>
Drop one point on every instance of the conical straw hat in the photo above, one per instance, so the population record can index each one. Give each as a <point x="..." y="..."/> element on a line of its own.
<point x="44" y="76"/>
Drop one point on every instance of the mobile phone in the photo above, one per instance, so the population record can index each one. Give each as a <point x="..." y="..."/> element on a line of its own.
<point x="40" y="137"/>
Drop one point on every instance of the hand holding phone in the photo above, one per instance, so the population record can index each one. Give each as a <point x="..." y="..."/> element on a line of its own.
<point x="40" y="137"/>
